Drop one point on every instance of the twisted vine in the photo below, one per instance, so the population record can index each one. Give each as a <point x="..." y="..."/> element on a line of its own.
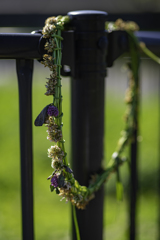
<point x="62" y="180"/>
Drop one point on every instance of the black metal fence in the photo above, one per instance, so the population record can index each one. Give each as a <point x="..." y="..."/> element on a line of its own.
<point x="88" y="49"/>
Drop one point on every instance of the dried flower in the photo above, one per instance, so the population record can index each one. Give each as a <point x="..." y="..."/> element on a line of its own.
<point x="48" y="61"/>
<point x="50" y="45"/>
<point x="50" y="86"/>
<point x="57" y="163"/>
<point x="55" y="151"/>
<point x="129" y="25"/>
<point x="54" y="131"/>
<point x="67" y="186"/>
<point x="51" y="20"/>
<point x="54" y="181"/>
<point x="57" y="155"/>
<point x="52" y="111"/>
<point x="48" y="30"/>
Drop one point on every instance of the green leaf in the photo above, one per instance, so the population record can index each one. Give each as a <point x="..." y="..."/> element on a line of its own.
<point x="51" y="188"/>
<point x="49" y="177"/>
<point x="69" y="170"/>
<point x="61" y="180"/>
<point x="57" y="191"/>
<point x="119" y="190"/>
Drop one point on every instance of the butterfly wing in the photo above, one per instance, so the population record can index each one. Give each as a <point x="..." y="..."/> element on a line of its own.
<point x="41" y="118"/>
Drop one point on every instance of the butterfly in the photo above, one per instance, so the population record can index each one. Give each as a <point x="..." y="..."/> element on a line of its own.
<point x="42" y="117"/>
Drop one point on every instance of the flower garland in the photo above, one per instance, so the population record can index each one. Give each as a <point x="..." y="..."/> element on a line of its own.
<point x="62" y="179"/>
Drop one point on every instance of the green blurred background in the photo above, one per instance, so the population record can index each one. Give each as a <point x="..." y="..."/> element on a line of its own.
<point x="51" y="216"/>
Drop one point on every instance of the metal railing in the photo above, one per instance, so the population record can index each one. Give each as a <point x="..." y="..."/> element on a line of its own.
<point x="88" y="50"/>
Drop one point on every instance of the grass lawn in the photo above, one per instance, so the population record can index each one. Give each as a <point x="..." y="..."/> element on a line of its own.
<point x="52" y="217"/>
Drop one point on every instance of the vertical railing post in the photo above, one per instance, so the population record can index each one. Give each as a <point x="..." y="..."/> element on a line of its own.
<point x="24" y="72"/>
<point x="133" y="188"/>
<point x="158" y="218"/>
<point x="133" y="193"/>
<point x="88" y="112"/>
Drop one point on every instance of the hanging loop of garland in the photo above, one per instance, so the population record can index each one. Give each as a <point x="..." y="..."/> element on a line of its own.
<point x="62" y="179"/>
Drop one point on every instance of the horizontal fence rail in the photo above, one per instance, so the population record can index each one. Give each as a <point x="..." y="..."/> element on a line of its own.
<point x="31" y="45"/>
<point x="146" y="21"/>
<point x="20" y="45"/>
<point x="151" y="39"/>
<point x="76" y="53"/>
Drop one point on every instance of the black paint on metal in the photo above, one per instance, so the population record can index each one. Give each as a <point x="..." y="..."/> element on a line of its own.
<point x="117" y="45"/>
<point x="68" y="53"/>
<point x="133" y="189"/>
<point x="88" y="113"/>
<point x="146" y="21"/>
<point x="31" y="46"/>
<point x="20" y="45"/>
<point x="24" y="73"/>
<point x="158" y="217"/>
